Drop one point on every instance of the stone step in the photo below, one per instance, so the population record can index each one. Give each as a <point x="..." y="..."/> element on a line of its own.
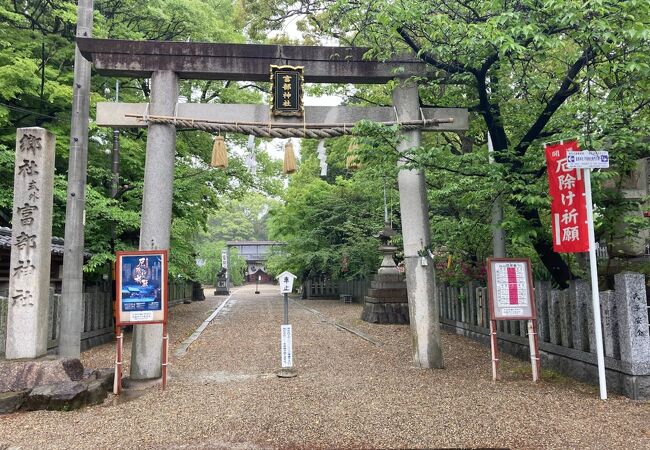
<point x="51" y="383"/>
<point x="387" y="293"/>
<point x="385" y="300"/>
<point x="388" y="278"/>
<point x="386" y="313"/>
<point x="388" y="285"/>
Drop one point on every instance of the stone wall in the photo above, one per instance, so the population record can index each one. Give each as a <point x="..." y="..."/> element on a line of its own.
<point x="566" y="330"/>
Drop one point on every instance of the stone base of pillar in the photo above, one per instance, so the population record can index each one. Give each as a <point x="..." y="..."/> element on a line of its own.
<point x="393" y="313"/>
<point x="387" y="300"/>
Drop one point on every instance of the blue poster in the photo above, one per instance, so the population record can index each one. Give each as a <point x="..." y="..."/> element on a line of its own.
<point x="141" y="282"/>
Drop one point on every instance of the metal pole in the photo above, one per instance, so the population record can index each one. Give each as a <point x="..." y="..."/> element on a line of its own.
<point x="286" y="309"/>
<point x="116" y="149"/>
<point x="71" y="292"/>
<point x="595" y="296"/>
<point x="116" y="165"/>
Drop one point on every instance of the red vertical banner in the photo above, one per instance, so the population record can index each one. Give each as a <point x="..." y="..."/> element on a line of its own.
<point x="568" y="204"/>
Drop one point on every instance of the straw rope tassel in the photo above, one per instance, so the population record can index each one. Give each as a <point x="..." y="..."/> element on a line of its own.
<point x="289" y="163"/>
<point x="352" y="161"/>
<point x="219" y="154"/>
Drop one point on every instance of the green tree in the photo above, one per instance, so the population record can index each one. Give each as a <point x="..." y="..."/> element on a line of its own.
<point x="36" y="59"/>
<point x="329" y="225"/>
<point x="238" y="218"/>
<point x="530" y="71"/>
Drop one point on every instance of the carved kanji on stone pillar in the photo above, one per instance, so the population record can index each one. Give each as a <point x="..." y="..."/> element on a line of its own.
<point x="29" y="274"/>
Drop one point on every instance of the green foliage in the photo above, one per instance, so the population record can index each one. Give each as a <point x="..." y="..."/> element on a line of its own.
<point x="238" y="219"/>
<point x="328" y="225"/>
<point x="36" y="72"/>
<point x="529" y="72"/>
<point x="238" y="268"/>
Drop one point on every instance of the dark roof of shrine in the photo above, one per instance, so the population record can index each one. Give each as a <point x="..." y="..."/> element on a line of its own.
<point x="266" y="243"/>
<point x="5" y="241"/>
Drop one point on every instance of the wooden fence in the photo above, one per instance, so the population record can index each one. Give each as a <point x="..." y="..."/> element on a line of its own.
<point x="323" y="287"/>
<point x="98" y="321"/>
<point x="566" y="329"/>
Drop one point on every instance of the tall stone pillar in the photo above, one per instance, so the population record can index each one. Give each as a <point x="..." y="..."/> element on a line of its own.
<point x="420" y="279"/>
<point x="31" y="244"/>
<point x="156" y="211"/>
<point x="71" y="307"/>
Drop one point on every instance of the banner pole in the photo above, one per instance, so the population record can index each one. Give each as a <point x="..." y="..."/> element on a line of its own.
<point x="595" y="296"/>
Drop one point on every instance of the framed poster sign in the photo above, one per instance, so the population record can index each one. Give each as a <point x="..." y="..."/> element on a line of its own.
<point x="511" y="289"/>
<point x="141" y="287"/>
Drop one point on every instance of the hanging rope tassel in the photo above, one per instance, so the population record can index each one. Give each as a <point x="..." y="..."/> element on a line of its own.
<point x="352" y="161"/>
<point x="219" y="154"/>
<point x="289" y="163"/>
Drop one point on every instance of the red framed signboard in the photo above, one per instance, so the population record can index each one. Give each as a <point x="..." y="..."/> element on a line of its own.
<point x="141" y="287"/>
<point x="510" y="289"/>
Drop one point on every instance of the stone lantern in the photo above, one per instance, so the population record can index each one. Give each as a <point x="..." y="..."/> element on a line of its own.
<point x="386" y="300"/>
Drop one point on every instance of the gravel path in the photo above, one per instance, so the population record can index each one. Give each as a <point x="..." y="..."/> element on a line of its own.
<point x="349" y="392"/>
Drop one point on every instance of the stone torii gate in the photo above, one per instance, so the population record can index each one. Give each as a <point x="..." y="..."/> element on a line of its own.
<point x="167" y="62"/>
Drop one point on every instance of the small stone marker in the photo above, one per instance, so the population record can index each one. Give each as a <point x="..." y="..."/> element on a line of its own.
<point x="579" y="299"/>
<point x="610" y="324"/>
<point x="29" y="273"/>
<point x="632" y="312"/>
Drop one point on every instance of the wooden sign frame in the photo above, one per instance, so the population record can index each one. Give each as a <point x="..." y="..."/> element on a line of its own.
<point x="516" y="283"/>
<point x="141" y="286"/>
<point x="135" y="284"/>
<point x="497" y="287"/>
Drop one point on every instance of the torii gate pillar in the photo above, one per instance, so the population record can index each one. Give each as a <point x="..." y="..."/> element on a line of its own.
<point x="155" y="228"/>
<point x="420" y="280"/>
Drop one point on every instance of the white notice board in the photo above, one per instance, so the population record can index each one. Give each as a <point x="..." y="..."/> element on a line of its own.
<point x="286" y="346"/>
<point x="510" y="289"/>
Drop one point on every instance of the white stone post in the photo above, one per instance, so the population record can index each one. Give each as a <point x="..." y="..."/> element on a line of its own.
<point x="420" y="279"/>
<point x="156" y="211"/>
<point x="31" y="241"/>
